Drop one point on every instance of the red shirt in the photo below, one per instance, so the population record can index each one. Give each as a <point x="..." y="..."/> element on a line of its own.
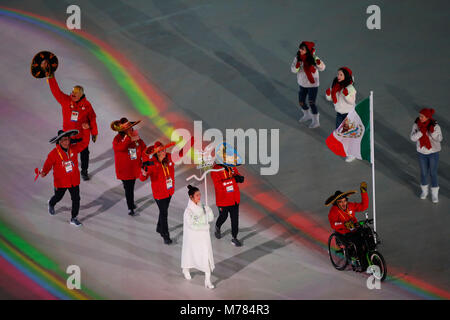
<point x="226" y="188"/>
<point x="161" y="175"/>
<point x="65" y="164"/>
<point x="74" y="113"/>
<point x="338" y="217"/>
<point x="127" y="157"/>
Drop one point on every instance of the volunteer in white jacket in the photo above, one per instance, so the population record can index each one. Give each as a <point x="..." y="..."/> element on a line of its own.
<point x="343" y="95"/>
<point x="197" y="249"/>
<point x="428" y="136"/>
<point x="307" y="66"/>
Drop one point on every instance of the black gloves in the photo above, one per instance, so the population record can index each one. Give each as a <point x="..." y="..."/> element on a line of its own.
<point x="239" y="179"/>
<point x="147" y="164"/>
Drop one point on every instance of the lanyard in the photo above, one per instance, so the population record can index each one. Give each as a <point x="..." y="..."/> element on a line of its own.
<point x="68" y="152"/>
<point x="227" y="173"/>
<point x="344" y="212"/>
<point x="164" y="169"/>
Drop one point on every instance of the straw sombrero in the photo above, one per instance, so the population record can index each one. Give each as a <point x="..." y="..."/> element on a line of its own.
<point x="36" y="69"/>
<point x="62" y="134"/>
<point x="338" y="195"/>
<point x="123" y="124"/>
<point x="159" y="147"/>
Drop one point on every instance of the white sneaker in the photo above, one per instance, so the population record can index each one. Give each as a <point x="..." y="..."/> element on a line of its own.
<point x="350" y="158"/>
<point x="424" y="193"/>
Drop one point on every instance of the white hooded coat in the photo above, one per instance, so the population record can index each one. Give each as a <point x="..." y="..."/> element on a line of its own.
<point x="197" y="251"/>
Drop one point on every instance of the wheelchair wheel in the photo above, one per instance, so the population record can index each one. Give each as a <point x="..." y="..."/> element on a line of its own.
<point x="338" y="252"/>
<point x="377" y="259"/>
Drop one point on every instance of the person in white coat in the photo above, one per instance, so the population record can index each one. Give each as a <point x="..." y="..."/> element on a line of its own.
<point x="197" y="249"/>
<point x="343" y="95"/>
<point x="427" y="135"/>
<point x="307" y="66"/>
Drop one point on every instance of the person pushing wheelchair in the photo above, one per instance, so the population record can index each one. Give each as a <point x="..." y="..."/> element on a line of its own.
<point x="343" y="221"/>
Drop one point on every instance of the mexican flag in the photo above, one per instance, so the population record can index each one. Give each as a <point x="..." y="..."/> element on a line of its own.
<point x="352" y="138"/>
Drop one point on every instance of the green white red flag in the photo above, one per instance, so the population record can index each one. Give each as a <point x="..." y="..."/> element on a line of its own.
<point x="352" y="137"/>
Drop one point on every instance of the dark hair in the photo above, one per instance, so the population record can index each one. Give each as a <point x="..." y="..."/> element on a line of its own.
<point x="192" y="190"/>
<point x="347" y="79"/>
<point x="309" y="57"/>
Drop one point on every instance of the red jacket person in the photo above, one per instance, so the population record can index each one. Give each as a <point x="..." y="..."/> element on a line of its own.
<point x="128" y="149"/>
<point x="158" y="165"/>
<point x="66" y="176"/>
<point x="343" y="221"/>
<point x="76" y="109"/>
<point x="228" y="195"/>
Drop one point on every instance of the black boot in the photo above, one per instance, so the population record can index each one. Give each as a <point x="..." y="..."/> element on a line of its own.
<point x="217" y="233"/>
<point x="85" y="176"/>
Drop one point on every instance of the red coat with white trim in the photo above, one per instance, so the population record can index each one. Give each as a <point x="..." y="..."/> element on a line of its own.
<point x="160" y="174"/>
<point x="74" y="113"/>
<point x="338" y="218"/>
<point x="225" y="186"/>
<point x="58" y="159"/>
<point x="127" y="157"/>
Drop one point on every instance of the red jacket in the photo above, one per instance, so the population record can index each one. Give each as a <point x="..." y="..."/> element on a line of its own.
<point x="58" y="160"/>
<point x="74" y="113"/>
<point x="127" y="157"/>
<point x="160" y="176"/>
<point x="227" y="190"/>
<point x="337" y="217"/>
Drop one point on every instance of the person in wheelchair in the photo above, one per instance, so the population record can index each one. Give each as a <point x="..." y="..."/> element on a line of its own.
<point x="343" y="221"/>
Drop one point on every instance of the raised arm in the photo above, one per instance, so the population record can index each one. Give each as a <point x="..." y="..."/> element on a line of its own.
<point x="80" y="146"/>
<point x="416" y="134"/>
<point x="120" y="144"/>
<point x="60" y="96"/>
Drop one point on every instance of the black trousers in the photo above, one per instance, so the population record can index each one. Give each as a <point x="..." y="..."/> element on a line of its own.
<point x="162" y="227"/>
<point x="74" y="195"/>
<point x="128" y="185"/>
<point x="84" y="158"/>
<point x="234" y="215"/>
<point x="357" y="239"/>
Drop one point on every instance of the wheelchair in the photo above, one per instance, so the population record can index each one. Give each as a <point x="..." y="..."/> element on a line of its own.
<point x="342" y="253"/>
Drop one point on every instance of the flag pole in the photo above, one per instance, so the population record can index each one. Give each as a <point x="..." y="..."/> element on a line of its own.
<point x="372" y="159"/>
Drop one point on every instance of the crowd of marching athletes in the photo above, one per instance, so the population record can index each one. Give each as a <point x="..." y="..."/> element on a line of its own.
<point x="136" y="160"/>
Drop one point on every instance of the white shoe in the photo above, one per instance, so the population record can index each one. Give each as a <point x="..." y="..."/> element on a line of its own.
<point x="424" y="193"/>
<point x="307" y="115"/>
<point x="315" y="121"/>
<point x="434" y="194"/>
<point x="350" y="158"/>
<point x="186" y="274"/>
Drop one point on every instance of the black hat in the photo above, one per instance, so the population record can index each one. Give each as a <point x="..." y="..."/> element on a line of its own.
<point x="338" y="195"/>
<point x="36" y="69"/>
<point x="62" y="134"/>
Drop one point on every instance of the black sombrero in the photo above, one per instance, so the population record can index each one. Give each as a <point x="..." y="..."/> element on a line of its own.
<point x="36" y="69"/>
<point x="62" y="134"/>
<point x="338" y="195"/>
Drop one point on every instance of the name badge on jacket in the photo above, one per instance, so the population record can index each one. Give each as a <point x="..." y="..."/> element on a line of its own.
<point x="68" y="166"/>
<point x="74" y="116"/>
<point x="230" y="188"/>
<point x="169" y="183"/>
<point x="132" y="153"/>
